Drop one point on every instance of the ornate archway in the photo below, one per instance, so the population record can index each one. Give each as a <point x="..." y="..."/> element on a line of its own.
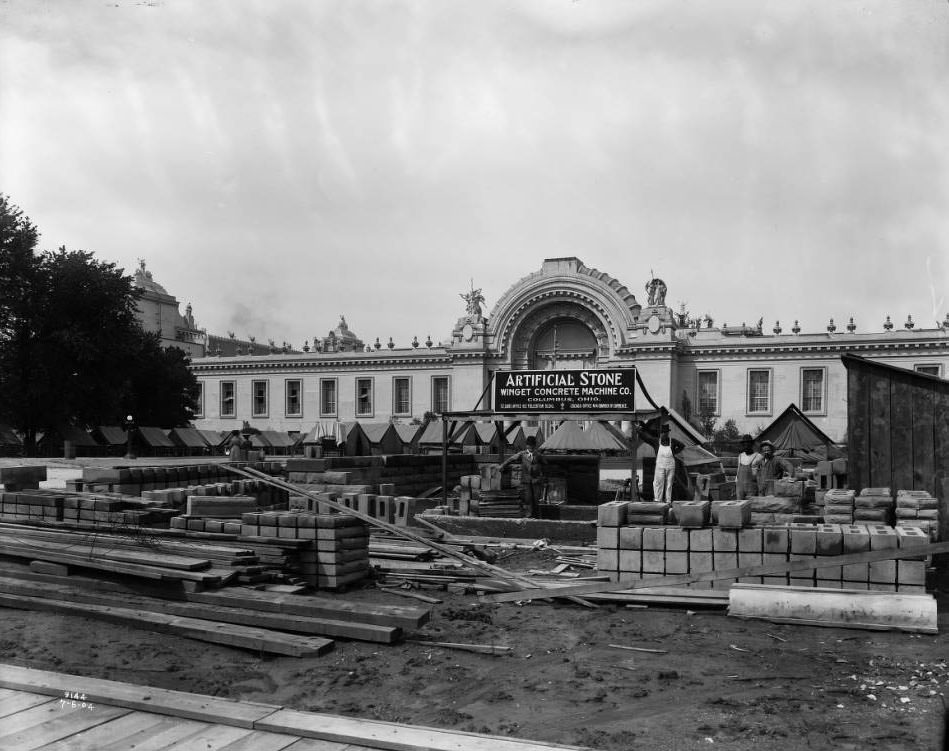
<point x="559" y="334"/>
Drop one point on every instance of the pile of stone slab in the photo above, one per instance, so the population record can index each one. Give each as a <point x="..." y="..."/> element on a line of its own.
<point x="917" y="508"/>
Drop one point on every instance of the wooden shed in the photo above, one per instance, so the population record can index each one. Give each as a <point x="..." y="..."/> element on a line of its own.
<point x="897" y="430"/>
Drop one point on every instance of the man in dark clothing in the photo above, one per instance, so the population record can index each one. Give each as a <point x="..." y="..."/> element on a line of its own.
<point x="771" y="468"/>
<point x="532" y="475"/>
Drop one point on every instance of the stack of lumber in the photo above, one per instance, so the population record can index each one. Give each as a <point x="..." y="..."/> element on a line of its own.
<point x="874" y="505"/>
<point x="262" y="621"/>
<point x="498" y="504"/>
<point x="838" y="506"/>
<point x="917" y="508"/>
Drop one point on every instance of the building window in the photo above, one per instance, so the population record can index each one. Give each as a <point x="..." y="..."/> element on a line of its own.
<point x="812" y="390"/>
<point x="227" y="399"/>
<point x="440" y="394"/>
<point x="363" y="397"/>
<point x="708" y="392"/>
<point x="294" y="402"/>
<point x="259" y="398"/>
<point x="401" y="396"/>
<point x="933" y="370"/>
<point x="328" y="397"/>
<point x="759" y="392"/>
<point x="199" y="401"/>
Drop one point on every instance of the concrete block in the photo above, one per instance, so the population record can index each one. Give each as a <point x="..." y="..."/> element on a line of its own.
<point x="630" y="576"/>
<point x="608" y="537"/>
<point x="830" y="539"/>
<point x="724" y="560"/>
<point x="830" y="572"/>
<point x="798" y="577"/>
<point x="692" y="514"/>
<point x="803" y="539"/>
<point x="654" y="561"/>
<point x="910" y="572"/>
<point x="750" y="559"/>
<point x="630" y="560"/>
<point x="776" y="540"/>
<point x="700" y="562"/>
<point x="384" y="508"/>
<point x="677" y="562"/>
<point x="612" y="514"/>
<point x="607" y="560"/>
<point x="830" y="583"/>
<point x="911" y="589"/>
<point x="700" y="540"/>
<point x="734" y="514"/>
<point x="883" y="572"/>
<point x="724" y="540"/>
<point x="882" y="537"/>
<point x="751" y="540"/>
<point x="677" y="539"/>
<point x="654" y="538"/>
<point x="775" y="580"/>
<point x="388" y="488"/>
<point x="630" y="538"/>
<point x="856" y="538"/>
<point x="856" y="572"/>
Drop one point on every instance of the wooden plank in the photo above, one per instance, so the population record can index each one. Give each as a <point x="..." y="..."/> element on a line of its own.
<point x="103" y="550"/>
<point x="162" y="737"/>
<point x="238" y="616"/>
<point x="843" y="608"/>
<point x="12" y="702"/>
<point x="858" y="429"/>
<point x="262" y="740"/>
<point x="126" y="731"/>
<point x="880" y="461"/>
<point x="901" y="434"/>
<point x="149" y="699"/>
<point x="246" y="637"/>
<point x="405" y="617"/>
<point x="314" y="744"/>
<point x="924" y="446"/>
<point x="211" y="738"/>
<point x="388" y="735"/>
<point x="766" y="569"/>
<point x="53" y="721"/>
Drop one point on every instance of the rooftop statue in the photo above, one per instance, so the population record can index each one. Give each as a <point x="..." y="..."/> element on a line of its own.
<point x="656" y="289"/>
<point x="473" y="300"/>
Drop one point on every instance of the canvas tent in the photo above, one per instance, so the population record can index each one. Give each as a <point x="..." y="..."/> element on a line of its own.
<point x="189" y="441"/>
<point x="353" y="440"/>
<point x="409" y="435"/>
<point x="280" y="443"/>
<point x="154" y="440"/>
<point x="215" y="440"/>
<point x="570" y="437"/>
<point x="794" y="434"/>
<point x="383" y="438"/>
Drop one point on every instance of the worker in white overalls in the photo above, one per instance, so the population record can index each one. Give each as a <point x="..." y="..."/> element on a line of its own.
<point x="748" y="462"/>
<point x="665" y="468"/>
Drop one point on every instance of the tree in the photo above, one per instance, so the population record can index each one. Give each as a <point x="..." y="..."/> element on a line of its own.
<point x="71" y="349"/>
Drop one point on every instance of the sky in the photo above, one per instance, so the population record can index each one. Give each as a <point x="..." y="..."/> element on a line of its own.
<point x="279" y="163"/>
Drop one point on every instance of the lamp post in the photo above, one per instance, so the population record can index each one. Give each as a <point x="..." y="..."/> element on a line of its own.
<point x="129" y="427"/>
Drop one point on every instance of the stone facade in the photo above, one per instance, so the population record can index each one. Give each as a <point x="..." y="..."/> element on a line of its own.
<point x="565" y="315"/>
<point x="158" y="313"/>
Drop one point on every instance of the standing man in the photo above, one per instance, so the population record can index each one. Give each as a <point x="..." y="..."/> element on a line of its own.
<point x="532" y="475"/>
<point x="771" y="468"/>
<point x="748" y="462"/>
<point x="666" y="448"/>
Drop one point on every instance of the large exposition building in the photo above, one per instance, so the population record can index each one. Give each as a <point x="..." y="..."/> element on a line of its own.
<point x="565" y="315"/>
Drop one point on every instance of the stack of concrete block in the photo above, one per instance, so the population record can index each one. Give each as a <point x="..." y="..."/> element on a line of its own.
<point x="42" y="506"/>
<point x="136" y="480"/>
<point x="838" y="506"/>
<point x="647" y="512"/>
<point x="630" y="552"/>
<point x="469" y="494"/>
<point x="873" y="505"/>
<point x="329" y="551"/>
<point x="917" y="508"/>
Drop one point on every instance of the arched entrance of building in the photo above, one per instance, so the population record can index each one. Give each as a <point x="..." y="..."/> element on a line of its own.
<point x="561" y="344"/>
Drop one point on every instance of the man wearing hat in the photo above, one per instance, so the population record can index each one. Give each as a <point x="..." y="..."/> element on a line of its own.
<point x="771" y="468"/>
<point x="666" y="449"/>
<point x="532" y="475"/>
<point x="748" y="462"/>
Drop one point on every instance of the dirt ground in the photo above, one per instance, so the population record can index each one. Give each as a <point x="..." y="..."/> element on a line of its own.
<point x="723" y="683"/>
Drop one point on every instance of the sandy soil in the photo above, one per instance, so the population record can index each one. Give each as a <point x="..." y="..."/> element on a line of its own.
<point x="724" y="683"/>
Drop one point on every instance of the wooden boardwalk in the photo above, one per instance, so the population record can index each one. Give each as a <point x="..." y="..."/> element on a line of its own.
<point x="40" y="709"/>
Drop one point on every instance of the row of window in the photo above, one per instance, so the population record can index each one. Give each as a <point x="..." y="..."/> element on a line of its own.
<point x="329" y="389"/>
<point x="758" y="392"/>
